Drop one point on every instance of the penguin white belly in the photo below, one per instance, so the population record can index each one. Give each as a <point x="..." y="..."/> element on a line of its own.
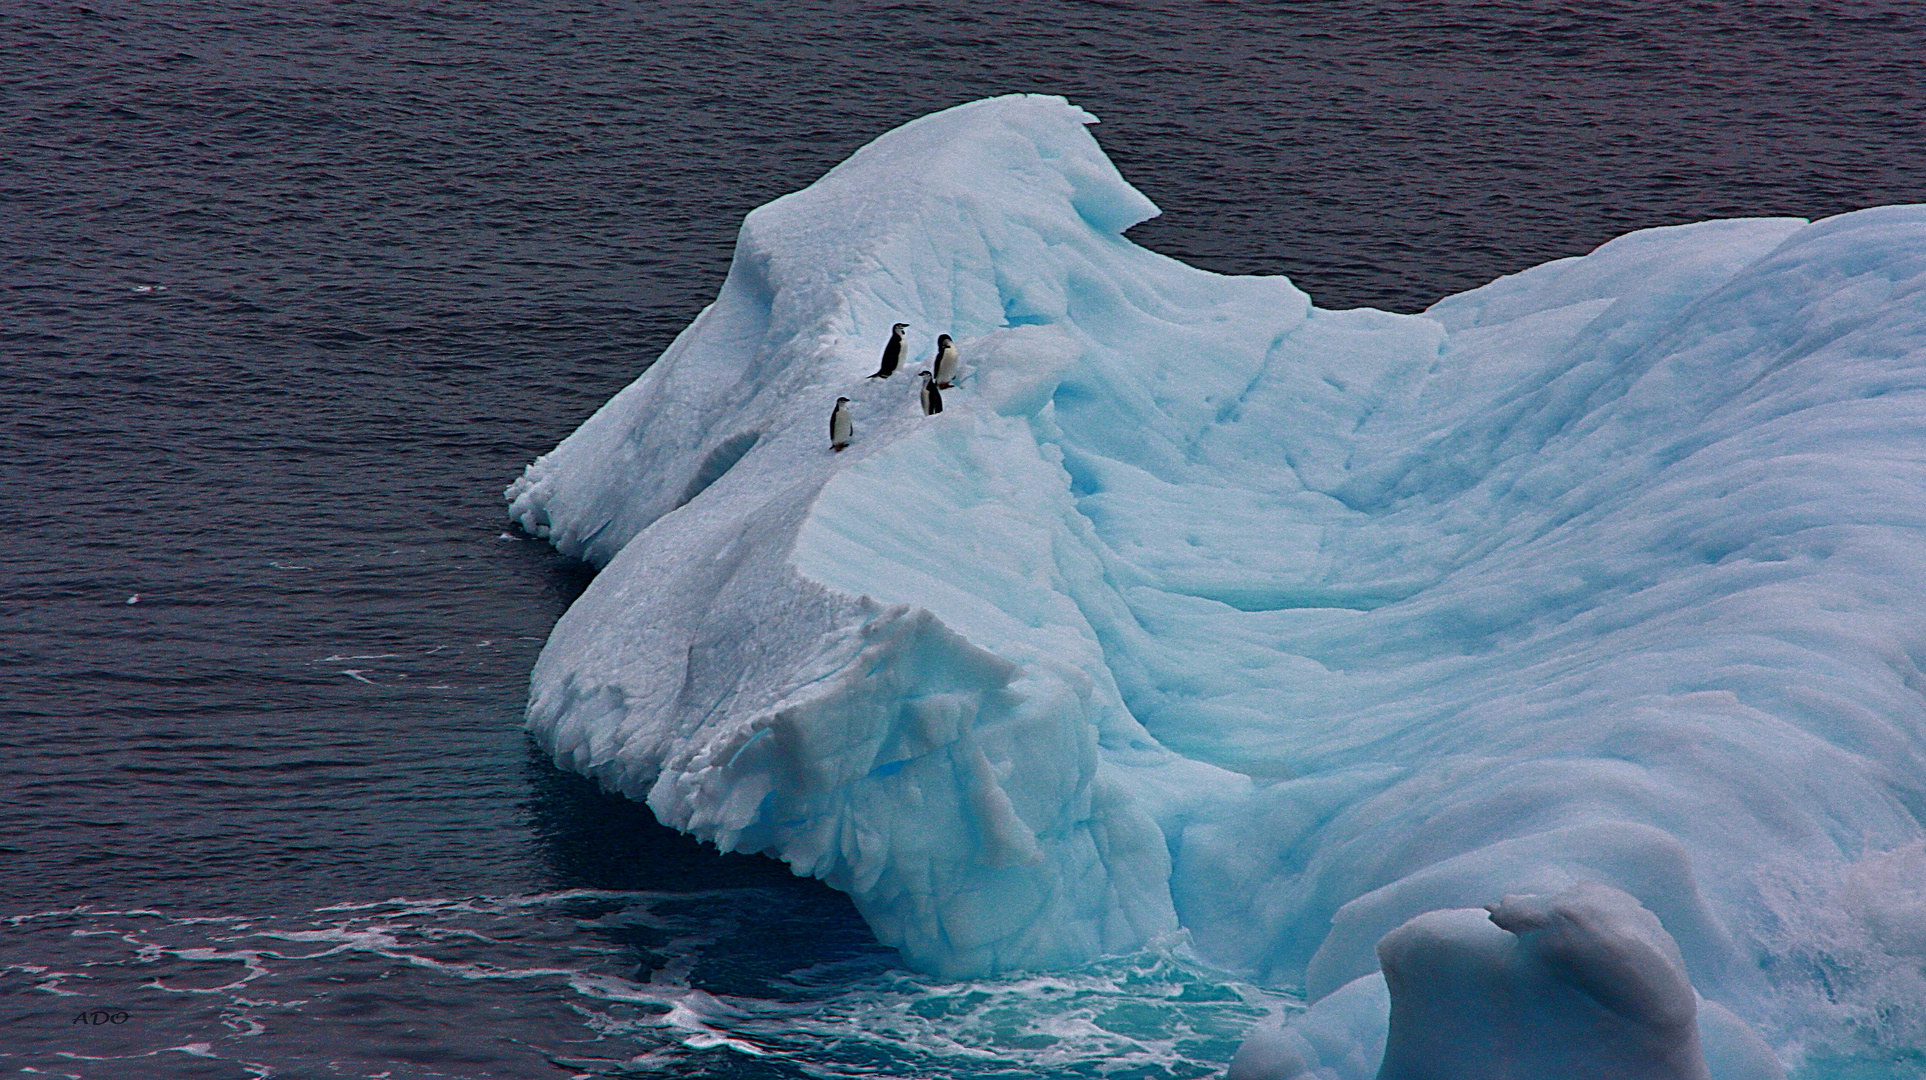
<point x="946" y="366"/>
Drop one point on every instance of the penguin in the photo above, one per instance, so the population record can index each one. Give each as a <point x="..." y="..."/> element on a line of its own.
<point x="893" y="352"/>
<point x="932" y="398"/>
<point x="839" y="428"/>
<point x="945" y="361"/>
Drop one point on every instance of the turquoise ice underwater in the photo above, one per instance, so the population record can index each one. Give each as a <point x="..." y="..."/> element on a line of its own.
<point x="1202" y="618"/>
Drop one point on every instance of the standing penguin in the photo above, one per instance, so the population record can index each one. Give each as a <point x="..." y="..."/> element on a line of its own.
<point x="839" y="427"/>
<point x="945" y="361"/>
<point x="893" y="352"/>
<point x="932" y="398"/>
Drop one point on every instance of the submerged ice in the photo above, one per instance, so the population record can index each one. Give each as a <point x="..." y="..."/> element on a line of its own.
<point x="1203" y="614"/>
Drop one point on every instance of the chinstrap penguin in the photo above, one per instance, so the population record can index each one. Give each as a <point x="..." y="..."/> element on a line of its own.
<point x="839" y="426"/>
<point x="945" y="361"/>
<point x="932" y="397"/>
<point x="893" y="352"/>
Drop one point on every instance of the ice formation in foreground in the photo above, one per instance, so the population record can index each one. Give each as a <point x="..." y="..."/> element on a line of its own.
<point x="1203" y="611"/>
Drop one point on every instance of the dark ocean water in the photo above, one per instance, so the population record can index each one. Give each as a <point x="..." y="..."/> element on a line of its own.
<point x="289" y="292"/>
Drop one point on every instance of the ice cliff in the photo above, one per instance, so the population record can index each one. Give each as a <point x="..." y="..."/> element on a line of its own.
<point x="1203" y="611"/>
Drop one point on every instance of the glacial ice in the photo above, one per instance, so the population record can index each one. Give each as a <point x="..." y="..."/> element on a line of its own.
<point x="1583" y="985"/>
<point x="1204" y="615"/>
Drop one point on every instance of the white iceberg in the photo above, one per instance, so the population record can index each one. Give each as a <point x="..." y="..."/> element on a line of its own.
<point x="1202" y="612"/>
<point x="1583" y="985"/>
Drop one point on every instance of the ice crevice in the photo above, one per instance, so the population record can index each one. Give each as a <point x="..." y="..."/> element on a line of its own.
<point x="1202" y="614"/>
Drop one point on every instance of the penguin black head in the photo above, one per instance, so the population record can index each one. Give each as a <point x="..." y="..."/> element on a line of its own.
<point x="899" y="328"/>
<point x="842" y="401"/>
<point x="942" y="340"/>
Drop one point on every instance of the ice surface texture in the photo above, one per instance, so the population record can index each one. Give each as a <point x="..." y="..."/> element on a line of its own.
<point x="1583" y="985"/>
<point x="1201" y="610"/>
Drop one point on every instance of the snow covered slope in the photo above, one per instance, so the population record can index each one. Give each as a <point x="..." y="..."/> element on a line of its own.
<point x="1203" y="611"/>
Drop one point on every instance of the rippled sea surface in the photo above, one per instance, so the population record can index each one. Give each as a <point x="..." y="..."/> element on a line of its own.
<point x="289" y="292"/>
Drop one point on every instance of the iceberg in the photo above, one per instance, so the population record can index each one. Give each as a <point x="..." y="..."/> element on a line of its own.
<point x="1583" y="984"/>
<point x="1304" y="638"/>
